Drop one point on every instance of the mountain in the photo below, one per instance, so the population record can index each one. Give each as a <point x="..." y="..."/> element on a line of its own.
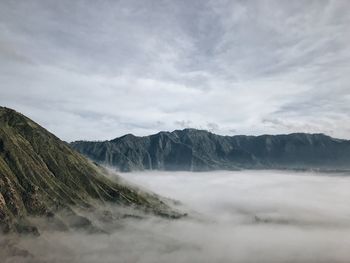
<point x="199" y="150"/>
<point x="40" y="176"/>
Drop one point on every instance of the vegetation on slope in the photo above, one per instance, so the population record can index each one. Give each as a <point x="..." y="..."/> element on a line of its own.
<point x="40" y="175"/>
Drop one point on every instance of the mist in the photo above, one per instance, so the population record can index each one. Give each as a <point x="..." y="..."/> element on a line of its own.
<point x="243" y="216"/>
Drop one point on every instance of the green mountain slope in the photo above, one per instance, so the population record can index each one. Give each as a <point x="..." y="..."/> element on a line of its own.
<point x="40" y="175"/>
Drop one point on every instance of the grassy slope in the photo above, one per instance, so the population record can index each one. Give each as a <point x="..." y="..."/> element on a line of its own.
<point x="40" y="174"/>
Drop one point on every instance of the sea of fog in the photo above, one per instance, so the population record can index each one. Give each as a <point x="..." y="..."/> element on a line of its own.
<point x="243" y="216"/>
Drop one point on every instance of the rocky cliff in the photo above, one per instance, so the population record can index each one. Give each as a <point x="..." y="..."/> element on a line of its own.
<point x="198" y="150"/>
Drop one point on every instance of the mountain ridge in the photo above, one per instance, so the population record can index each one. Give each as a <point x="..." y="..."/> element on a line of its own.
<point x="209" y="151"/>
<point x="207" y="131"/>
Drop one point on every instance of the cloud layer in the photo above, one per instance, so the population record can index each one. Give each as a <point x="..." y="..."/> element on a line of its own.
<point x="246" y="217"/>
<point x="99" y="69"/>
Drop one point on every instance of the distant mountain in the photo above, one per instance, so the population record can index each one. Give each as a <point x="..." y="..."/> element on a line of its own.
<point x="199" y="150"/>
<point x="41" y="175"/>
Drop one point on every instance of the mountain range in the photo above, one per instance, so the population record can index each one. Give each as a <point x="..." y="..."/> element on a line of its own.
<point x="200" y="150"/>
<point x="41" y="176"/>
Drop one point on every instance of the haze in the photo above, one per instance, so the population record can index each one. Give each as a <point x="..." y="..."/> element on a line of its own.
<point x="248" y="216"/>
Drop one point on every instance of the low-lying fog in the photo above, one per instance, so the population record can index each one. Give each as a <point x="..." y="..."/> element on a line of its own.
<point x="249" y="216"/>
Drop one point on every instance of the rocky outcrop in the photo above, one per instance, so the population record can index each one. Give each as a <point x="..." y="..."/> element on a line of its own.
<point x="198" y="150"/>
<point x="41" y="175"/>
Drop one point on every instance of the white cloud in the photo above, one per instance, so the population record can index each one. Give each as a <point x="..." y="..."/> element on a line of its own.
<point x="97" y="70"/>
<point x="246" y="217"/>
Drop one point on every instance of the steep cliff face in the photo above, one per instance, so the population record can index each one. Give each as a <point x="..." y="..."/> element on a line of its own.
<point x="40" y="174"/>
<point x="199" y="150"/>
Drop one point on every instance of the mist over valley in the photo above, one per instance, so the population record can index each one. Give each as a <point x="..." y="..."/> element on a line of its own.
<point x="244" y="216"/>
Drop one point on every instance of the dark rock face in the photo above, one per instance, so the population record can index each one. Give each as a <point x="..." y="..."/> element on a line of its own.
<point x="198" y="150"/>
<point x="40" y="175"/>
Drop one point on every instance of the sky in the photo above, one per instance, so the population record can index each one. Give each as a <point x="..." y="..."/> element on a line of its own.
<point x="96" y="70"/>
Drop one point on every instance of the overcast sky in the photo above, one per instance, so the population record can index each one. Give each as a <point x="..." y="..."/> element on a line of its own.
<point x="100" y="69"/>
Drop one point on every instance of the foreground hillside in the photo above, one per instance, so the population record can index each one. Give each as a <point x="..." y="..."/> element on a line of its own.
<point x="41" y="175"/>
<point x="198" y="150"/>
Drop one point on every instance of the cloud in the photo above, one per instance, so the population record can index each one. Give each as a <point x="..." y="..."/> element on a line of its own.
<point x="212" y="126"/>
<point x="183" y="123"/>
<point x="269" y="216"/>
<point x="97" y="70"/>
